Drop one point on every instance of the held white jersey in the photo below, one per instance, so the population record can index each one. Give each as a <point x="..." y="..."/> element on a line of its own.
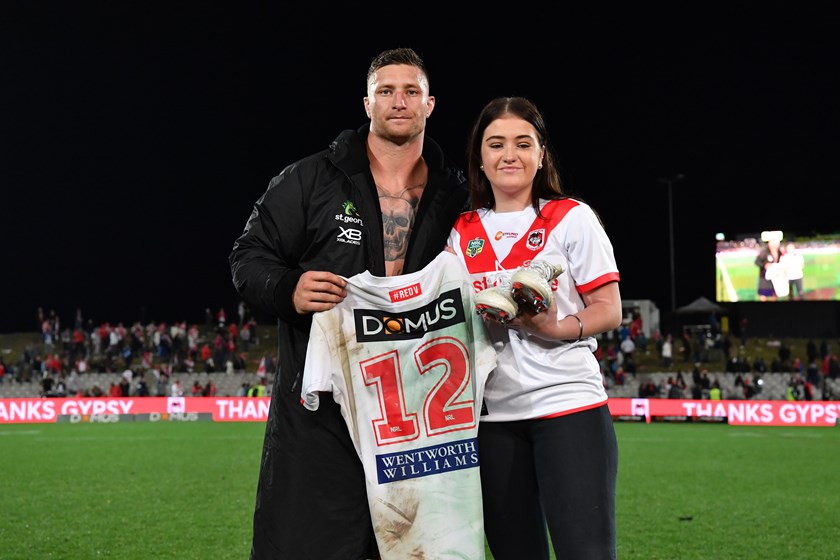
<point x="536" y="378"/>
<point x="407" y="358"/>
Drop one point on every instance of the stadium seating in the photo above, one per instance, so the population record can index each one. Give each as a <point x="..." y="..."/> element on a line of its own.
<point x="227" y="384"/>
<point x="774" y="385"/>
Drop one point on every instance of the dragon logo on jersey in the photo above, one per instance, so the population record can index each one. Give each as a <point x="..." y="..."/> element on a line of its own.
<point x="474" y="247"/>
<point x="349" y="208"/>
<point x="536" y="238"/>
<point x="376" y="324"/>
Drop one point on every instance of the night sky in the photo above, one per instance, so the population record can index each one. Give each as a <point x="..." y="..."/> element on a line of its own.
<point x="135" y="140"/>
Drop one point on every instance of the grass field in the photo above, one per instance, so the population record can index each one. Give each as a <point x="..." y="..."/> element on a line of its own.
<point x="186" y="491"/>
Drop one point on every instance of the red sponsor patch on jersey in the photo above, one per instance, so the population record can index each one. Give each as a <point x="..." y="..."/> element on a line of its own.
<point x="402" y="294"/>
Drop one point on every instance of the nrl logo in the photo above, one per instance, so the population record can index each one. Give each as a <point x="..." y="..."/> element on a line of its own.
<point x="474" y="247"/>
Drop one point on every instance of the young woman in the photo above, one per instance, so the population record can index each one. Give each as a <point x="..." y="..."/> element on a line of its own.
<point x="547" y="447"/>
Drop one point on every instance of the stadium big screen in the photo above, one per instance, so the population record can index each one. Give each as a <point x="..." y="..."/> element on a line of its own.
<point x="814" y="260"/>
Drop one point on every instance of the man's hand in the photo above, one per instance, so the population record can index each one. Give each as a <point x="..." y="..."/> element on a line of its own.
<point x="318" y="290"/>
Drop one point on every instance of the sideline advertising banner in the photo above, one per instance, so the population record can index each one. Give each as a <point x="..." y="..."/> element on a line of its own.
<point x="148" y="409"/>
<point x="255" y="409"/>
<point x="733" y="412"/>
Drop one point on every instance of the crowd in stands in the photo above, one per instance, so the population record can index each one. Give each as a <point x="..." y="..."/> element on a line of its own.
<point x="147" y="356"/>
<point x="618" y="353"/>
<point x="142" y="353"/>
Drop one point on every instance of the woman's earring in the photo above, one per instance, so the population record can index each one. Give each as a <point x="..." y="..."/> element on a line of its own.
<point x="539" y="166"/>
<point x="481" y="167"/>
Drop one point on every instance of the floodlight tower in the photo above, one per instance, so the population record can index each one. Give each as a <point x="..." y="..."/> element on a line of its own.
<point x="670" y="180"/>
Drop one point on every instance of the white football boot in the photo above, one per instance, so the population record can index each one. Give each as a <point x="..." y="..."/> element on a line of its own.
<point x="531" y="286"/>
<point x="496" y="302"/>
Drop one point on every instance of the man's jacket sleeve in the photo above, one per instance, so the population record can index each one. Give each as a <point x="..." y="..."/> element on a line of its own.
<point x="264" y="259"/>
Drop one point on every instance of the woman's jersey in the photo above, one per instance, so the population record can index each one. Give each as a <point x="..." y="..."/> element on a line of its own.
<point x="537" y="378"/>
<point x="406" y="357"/>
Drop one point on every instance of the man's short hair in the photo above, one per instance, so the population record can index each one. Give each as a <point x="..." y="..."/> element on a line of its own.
<point x="402" y="55"/>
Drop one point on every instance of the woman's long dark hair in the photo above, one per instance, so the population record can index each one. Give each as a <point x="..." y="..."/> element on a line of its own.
<point x="547" y="183"/>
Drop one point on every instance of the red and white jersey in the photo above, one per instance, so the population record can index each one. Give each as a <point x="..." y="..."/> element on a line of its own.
<point x="406" y="357"/>
<point x="536" y="378"/>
